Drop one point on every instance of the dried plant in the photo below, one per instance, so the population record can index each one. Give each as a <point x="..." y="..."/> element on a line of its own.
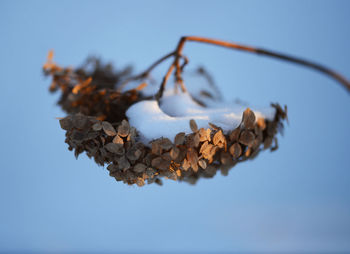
<point x="93" y="97"/>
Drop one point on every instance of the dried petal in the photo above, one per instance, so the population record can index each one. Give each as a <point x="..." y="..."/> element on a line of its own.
<point x="165" y="144"/>
<point x="186" y="165"/>
<point x="118" y="140"/>
<point x="179" y="138"/>
<point x="123" y="129"/>
<point x="140" y="181"/>
<point x="235" y="150"/>
<point x="123" y="163"/>
<point x="202" y="164"/>
<point x="66" y="123"/>
<point x="97" y="126"/>
<point x="225" y="158"/>
<point x="193" y="125"/>
<point x="219" y="139"/>
<point x="261" y="123"/>
<point x="108" y="129"/>
<point x="192" y="158"/>
<point x="160" y="163"/>
<point x="247" y="138"/>
<point x="213" y="126"/>
<point x="115" y="148"/>
<point x="140" y="167"/>
<point x="156" y="149"/>
<point x="79" y="121"/>
<point x="248" y="119"/>
<point x="234" y="135"/>
<point x="174" y="152"/>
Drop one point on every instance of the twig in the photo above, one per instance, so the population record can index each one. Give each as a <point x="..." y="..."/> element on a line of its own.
<point x="177" y="54"/>
<point x="146" y="73"/>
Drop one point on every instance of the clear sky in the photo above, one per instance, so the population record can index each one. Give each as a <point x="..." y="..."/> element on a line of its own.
<point x="295" y="199"/>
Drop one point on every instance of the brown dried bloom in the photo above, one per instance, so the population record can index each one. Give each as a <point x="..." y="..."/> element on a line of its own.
<point x="97" y="123"/>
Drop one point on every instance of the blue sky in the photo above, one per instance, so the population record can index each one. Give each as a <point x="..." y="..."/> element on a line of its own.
<point x="295" y="199"/>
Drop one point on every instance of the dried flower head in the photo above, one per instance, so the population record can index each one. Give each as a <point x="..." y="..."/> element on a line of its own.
<point x="102" y="121"/>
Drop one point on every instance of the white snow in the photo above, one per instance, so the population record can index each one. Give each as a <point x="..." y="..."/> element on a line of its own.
<point x="177" y="109"/>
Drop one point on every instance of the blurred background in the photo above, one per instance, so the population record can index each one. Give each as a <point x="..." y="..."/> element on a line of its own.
<point x="296" y="199"/>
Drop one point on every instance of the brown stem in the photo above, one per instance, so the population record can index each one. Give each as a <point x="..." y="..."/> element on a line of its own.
<point x="179" y="68"/>
<point x="178" y="53"/>
<point x="146" y="73"/>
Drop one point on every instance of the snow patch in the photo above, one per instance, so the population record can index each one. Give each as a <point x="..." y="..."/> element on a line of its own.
<point x="177" y="109"/>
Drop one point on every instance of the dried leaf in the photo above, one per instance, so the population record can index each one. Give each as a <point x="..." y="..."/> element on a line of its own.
<point x="108" y="129"/>
<point x="193" y="125"/>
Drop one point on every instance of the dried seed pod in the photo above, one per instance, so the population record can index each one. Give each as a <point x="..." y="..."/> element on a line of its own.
<point x="248" y="119"/>
<point x="123" y="129"/>
<point x="108" y="129"/>
<point x="179" y="138"/>
<point x="235" y="150"/>
<point x="193" y="125"/>
<point x="247" y="138"/>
